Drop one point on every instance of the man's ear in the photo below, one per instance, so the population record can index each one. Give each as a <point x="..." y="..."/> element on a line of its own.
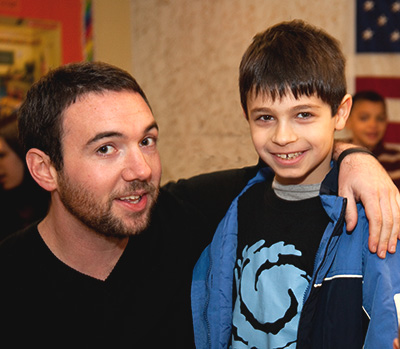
<point x="41" y="169"/>
<point x="343" y="112"/>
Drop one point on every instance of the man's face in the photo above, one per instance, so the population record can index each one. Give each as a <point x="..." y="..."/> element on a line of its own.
<point x="112" y="169"/>
<point x="368" y="123"/>
<point x="294" y="136"/>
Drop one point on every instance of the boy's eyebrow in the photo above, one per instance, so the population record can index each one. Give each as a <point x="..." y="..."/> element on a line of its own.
<point x="306" y="106"/>
<point x="109" y="134"/>
<point x="260" y="109"/>
<point x="295" y="108"/>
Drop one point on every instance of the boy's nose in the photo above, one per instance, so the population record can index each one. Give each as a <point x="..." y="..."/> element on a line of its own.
<point x="284" y="134"/>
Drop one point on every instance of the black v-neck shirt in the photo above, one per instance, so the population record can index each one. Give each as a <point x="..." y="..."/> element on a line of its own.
<point x="145" y="301"/>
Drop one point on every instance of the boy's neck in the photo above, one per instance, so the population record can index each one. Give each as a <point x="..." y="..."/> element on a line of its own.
<point x="295" y="192"/>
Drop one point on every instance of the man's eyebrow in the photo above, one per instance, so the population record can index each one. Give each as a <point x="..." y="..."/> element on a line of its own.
<point x="102" y="135"/>
<point x="110" y="134"/>
<point x="151" y="126"/>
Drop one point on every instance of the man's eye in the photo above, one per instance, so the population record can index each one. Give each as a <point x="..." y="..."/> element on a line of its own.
<point x="148" y="141"/>
<point x="105" y="149"/>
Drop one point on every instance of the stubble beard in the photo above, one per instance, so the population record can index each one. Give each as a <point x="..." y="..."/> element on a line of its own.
<point x="83" y="205"/>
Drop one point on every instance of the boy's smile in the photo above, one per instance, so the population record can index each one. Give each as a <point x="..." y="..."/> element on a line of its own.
<point x="295" y="136"/>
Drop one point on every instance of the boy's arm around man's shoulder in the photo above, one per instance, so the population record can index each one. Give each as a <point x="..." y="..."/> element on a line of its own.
<point x="212" y="193"/>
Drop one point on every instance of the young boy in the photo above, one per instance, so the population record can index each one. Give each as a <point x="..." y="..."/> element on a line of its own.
<point x="368" y="122"/>
<point x="300" y="280"/>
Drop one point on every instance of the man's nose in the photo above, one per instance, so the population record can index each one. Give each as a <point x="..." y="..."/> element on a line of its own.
<point x="136" y="167"/>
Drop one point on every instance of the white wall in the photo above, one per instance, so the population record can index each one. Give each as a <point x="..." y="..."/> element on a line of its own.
<point x="186" y="53"/>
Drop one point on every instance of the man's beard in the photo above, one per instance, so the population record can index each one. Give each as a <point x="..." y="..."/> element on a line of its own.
<point x="83" y="205"/>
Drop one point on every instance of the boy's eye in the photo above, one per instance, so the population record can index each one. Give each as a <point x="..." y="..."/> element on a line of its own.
<point x="304" y="115"/>
<point x="266" y="117"/>
<point x="364" y="118"/>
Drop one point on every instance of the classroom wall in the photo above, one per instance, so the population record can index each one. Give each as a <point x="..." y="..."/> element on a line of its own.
<point x="186" y="55"/>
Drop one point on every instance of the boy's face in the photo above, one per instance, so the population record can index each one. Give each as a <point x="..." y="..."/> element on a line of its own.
<point x="368" y="123"/>
<point x="295" y="136"/>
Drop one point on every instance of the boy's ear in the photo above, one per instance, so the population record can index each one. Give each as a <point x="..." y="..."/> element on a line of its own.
<point x="343" y="112"/>
<point x="245" y="114"/>
<point x="41" y="169"/>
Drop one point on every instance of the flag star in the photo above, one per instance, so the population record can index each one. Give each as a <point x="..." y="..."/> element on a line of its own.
<point x="369" y="5"/>
<point x="382" y="20"/>
<point x="367" y="34"/>
<point x="396" y="6"/>
<point x="395" y="36"/>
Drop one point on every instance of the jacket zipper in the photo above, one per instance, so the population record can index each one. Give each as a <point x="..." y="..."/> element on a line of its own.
<point x="205" y="311"/>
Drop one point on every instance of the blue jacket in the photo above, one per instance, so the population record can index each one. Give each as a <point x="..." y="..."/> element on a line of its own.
<point x="350" y="300"/>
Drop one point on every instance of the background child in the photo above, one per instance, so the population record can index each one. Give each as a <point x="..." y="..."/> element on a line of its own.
<point x="300" y="280"/>
<point x="368" y="121"/>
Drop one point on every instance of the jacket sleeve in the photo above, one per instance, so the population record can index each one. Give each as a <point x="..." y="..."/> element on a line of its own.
<point x="381" y="290"/>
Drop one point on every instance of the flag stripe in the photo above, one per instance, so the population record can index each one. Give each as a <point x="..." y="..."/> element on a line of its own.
<point x="387" y="87"/>
<point x="392" y="134"/>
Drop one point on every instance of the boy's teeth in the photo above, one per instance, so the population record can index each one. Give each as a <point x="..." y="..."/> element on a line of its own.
<point x="288" y="156"/>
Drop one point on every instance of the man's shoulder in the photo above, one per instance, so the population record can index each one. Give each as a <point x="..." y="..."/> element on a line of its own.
<point x="224" y="180"/>
<point x="19" y="244"/>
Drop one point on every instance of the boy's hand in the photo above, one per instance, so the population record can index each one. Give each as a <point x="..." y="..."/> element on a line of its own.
<point x="362" y="178"/>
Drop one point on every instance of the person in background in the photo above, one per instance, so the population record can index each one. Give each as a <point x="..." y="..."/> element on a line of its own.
<point x="22" y="200"/>
<point x="110" y="265"/>
<point x="368" y="122"/>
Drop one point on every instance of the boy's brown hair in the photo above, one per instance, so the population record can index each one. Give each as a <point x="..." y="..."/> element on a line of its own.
<point x="293" y="57"/>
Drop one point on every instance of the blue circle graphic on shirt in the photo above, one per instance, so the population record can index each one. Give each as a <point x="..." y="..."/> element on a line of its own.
<point x="270" y="290"/>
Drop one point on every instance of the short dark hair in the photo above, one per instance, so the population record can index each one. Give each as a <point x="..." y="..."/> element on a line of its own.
<point x="41" y="114"/>
<point x="368" y="95"/>
<point x="293" y="57"/>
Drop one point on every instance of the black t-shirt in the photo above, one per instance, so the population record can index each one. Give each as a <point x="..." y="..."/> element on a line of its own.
<point x="144" y="303"/>
<point x="264" y="216"/>
<point x="277" y="244"/>
<point x="21" y="206"/>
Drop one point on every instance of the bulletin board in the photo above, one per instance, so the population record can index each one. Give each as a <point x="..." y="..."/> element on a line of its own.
<point x="36" y="36"/>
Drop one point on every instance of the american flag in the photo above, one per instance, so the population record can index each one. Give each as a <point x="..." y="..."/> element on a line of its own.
<point x="378" y="56"/>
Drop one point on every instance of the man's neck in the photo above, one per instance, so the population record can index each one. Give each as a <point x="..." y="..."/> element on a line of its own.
<point x="80" y="248"/>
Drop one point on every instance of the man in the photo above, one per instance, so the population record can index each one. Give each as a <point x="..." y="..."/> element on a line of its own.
<point x="84" y="277"/>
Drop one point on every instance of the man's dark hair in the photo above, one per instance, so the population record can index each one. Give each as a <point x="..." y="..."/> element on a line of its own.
<point x="41" y="114"/>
